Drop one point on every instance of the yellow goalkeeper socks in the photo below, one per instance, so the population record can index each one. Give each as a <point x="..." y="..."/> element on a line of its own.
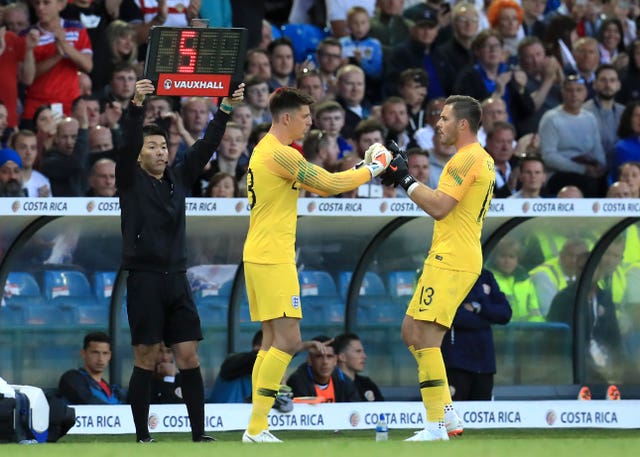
<point x="256" y="370"/>
<point x="433" y="382"/>
<point x="267" y="385"/>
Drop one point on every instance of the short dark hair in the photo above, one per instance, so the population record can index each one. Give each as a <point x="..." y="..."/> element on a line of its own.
<point x="154" y="129"/>
<point x="501" y="125"/>
<point x="624" y="127"/>
<point x="468" y="108"/>
<point x="603" y="67"/>
<point x="367" y="126"/>
<point x="414" y="74"/>
<point x="282" y="41"/>
<point x="417" y="151"/>
<point x="343" y="340"/>
<point x="286" y="99"/>
<point x="531" y="158"/>
<point x="98" y="337"/>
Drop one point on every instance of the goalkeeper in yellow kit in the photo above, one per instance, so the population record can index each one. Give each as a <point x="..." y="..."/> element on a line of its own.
<point x="459" y="205"/>
<point x="275" y="175"/>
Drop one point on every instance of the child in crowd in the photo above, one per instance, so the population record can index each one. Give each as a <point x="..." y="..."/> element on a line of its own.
<point x="630" y="173"/>
<point x="360" y="49"/>
<point x="329" y="117"/>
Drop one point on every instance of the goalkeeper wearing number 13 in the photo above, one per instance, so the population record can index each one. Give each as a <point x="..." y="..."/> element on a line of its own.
<point x="453" y="264"/>
<point x="275" y="175"/>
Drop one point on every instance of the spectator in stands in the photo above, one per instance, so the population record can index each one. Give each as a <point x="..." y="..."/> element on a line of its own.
<point x="310" y="82"/>
<point x="418" y="50"/>
<point x="395" y="119"/>
<point x="367" y="132"/>
<point x="360" y="49"/>
<point x="85" y="83"/>
<point x="587" y="58"/>
<point x="86" y="386"/>
<point x="25" y="143"/>
<point x="627" y="149"/>
<point x="413" y="88"/>
<point x="500" y="145"/>
<point x="165" y="383"/>
<point x="606" y="110"/>
<point x="222" y="185"/>
<point x="464" y="25"/>
<point x="92" y="105"/>
<point x="558" y="40"/>
<point x="611" y="40"/>
<point x="10" y="174"/>
<point x="329" y="58"/>
<point x="195" y="115"/>
<point x="241" y="115"/>
<point x="100" y="142"/>
<point x="257" y="133"/>
<point x="4" y="131"/>
<point x="494" y="110"/>
<point x="320" y="377"/>
<point x="506" y="16"/>
<point x="282" y="64"/>
<point x="388" y="25"/>
<point x="45" y="123"/>
<point x="64" y="48"/>
<point x="544" y="77"/>
<point x="66" y="163"/>
<point x="96" y="17"/>
<point x="570" y="143"/>
<point x="18" y="65"/>
<point x="467" y="348"/>
<point x="619" y="189"/>
<point x="351" y="90"/>
<point x="532" y="177"/>
<point x="122" y="85"/>
<point x="514" y="281"/>
<point x="233" y="384"/>
<point x="492" y="77"/>
<point x="257" y="63"/>
<point x="570" y="192"/>
<point x="533" y="22"/>
<point x="320" y="149"/>
<point x="418" y="162"/>
<point x="438" y="158"/>
<point x="555" y="274"/>
<point x="16" y="17"/>
<point x="630" y="173"/>
<point x="329" y="117"/>
<point x="336" y="13"/>
<point x="425" y="135"/>
<point x="156" y="108"/>
<point x="102" y="179"/>
<point x="171" y="13"/>
<point x="630" y="75"/>
<point x="351" y="362"/>
<point x="257" y="91"/>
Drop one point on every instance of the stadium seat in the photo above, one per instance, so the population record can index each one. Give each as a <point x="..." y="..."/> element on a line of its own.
<point x="374" y="304"/>
<point x="401" y="284"/>
<point x="320" y="298"/>
<point x="211" y="286"/>
<point x="103" y="285"/>
<point x="21" y="295"/>
<point x="305" y="39"/>
<point x="69" y="291"/>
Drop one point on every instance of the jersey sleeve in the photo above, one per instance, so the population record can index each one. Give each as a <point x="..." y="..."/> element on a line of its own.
<point x="287" y="163"/>
<point x="458" y="175"/>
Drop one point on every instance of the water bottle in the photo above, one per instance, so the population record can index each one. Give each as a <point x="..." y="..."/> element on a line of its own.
<point x="382" y="429"/>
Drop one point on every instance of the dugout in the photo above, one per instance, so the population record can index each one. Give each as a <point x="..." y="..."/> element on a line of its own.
<point x="357" y="259"/>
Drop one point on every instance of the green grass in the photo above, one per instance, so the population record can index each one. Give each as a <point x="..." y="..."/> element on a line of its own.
<point x="474" y="443"/>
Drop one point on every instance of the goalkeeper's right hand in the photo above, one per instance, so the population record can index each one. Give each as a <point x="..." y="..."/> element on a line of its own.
<point x="377" y="158"/>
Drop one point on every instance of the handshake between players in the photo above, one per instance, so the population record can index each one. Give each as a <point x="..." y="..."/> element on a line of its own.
<point x="391" y="164"/>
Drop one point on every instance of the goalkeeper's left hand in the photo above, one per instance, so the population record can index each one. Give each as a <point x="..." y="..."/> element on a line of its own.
<point x="377" y="158"/>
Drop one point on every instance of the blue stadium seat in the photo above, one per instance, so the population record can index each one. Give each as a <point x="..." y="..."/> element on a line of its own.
<point x="103" y="285"/>
<point x="401" y="284"/>
<point x="320" y="298"/>
<point x="374" y="304"/>
<point x="213" y="304"/>
<point x="69" y="291"/>
<point x="305" y="39"/>
<point x="21" y="294"/>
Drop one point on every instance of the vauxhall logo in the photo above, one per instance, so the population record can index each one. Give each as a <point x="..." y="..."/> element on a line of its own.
<point x="168" y="84"/>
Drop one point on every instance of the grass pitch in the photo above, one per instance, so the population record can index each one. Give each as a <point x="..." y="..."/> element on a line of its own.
<point x="474" y="443"/>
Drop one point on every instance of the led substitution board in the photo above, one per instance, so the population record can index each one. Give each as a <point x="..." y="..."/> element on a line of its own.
<point x="188" y="61"/>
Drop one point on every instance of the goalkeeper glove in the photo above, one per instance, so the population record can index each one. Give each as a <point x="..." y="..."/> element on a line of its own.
<point x="398" y="173"/>
<point x="377" y="159"/>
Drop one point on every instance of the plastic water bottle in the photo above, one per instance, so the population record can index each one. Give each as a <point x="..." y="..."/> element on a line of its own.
<point x="382" y="429"/>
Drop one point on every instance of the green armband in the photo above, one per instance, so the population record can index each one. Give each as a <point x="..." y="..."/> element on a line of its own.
<point x="225" y="107"/>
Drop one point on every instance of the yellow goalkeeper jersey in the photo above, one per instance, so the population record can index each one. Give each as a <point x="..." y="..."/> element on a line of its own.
<point x="469" y="177"/>
<point x="276" y="172"/>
